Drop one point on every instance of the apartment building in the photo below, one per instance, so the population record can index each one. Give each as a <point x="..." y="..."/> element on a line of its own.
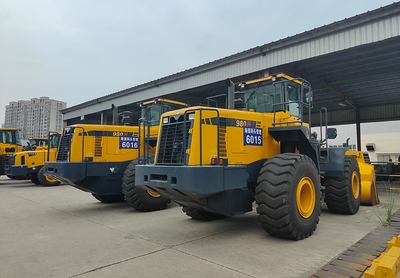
<point x="35" y="117"/>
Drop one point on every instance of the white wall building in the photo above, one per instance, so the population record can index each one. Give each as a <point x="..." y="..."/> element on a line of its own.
<point x="35" y="117"/>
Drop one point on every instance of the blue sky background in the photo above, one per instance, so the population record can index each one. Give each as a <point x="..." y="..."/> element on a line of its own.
<point x="76" y="51"/>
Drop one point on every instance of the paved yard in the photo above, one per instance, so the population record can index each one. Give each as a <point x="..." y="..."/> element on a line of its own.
<point x="64" y="232"/>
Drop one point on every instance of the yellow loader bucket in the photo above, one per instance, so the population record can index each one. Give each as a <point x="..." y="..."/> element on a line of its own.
<point x="369" y="192"/>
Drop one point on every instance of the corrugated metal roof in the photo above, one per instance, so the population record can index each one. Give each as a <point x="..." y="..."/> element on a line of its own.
<point x="355" y="61"/>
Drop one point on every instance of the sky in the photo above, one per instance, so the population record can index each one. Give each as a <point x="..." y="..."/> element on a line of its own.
<point x="79" y="50"/>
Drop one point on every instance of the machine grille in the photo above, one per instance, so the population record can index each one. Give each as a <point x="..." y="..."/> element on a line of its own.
<point x="174" y="141"/>
<point x="98" y="149"/>
<point x="221" y="137"/>
<point x="366" y="158"/>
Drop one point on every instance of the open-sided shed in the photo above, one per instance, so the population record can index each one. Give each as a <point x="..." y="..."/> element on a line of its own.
<point x="353" y="66"/>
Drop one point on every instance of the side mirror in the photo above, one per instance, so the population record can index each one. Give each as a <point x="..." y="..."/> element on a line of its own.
<point x="331" y="133"/>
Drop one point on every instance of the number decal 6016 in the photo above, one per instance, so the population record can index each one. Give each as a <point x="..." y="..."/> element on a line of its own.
<point x="126" y="142"/>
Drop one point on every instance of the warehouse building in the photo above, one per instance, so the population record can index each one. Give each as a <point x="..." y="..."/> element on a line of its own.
<point x="353" y="66"/>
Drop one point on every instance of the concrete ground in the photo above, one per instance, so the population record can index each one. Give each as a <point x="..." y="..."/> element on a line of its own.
<point x="64" y="232"/>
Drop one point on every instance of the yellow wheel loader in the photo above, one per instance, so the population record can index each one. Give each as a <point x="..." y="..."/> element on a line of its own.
<point x="29" y="163"/>
<point x="35" y="143"/>
<point x="10" y="143"/>
<point x="216" y="162"/>
<point x="101" y="159"/>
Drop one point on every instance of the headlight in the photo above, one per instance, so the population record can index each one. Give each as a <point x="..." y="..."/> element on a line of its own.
<point x="165" y="120"/>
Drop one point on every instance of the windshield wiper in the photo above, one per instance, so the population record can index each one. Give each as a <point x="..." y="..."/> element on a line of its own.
<point x="253" y="92"/>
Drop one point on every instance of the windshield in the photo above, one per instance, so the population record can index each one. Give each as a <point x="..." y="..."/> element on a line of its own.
<point x="270" y="97"/>
<point x="54" y="140"/>
<point x="260" y="97"/>
<point x="10" y="137"/>
<point x="152" y="113"/>
<point x="38" y="142"/>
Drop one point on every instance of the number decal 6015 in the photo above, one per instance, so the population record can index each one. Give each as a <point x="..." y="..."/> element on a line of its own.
<point x="253" y="140"/>
<point x="252" y="136"/>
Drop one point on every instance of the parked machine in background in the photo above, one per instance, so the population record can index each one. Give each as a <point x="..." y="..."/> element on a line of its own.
<point x="387" y="171"/>
<point x="34" y="143"/>
<point x="216" y="162"/>
<point x="10" y="143"/>
<point x="29" y="163"/>
<point x="100" y="159"/>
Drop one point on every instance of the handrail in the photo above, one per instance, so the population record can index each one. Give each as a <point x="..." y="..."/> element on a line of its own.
<point x="210" y="98"/>
<point x="323" y="111"/>
<point x="83" y="142"/>
<point x="142" y="122"/>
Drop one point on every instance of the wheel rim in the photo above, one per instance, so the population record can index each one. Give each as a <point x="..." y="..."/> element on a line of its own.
<point x="305" y="197"/>
<point x="49" y="179"/>
<point x="355" y="185"/>
<point x="153" y="194"/>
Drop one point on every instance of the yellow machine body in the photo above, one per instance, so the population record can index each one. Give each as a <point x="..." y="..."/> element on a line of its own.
<point x="233" y="145"/>
<point x="102" y="143"/>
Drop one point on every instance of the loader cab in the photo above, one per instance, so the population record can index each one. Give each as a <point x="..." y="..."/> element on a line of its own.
<point x="34" y="143"/>
<point x="54" y="139"/>
<point x="275" y="94"/>
<point x="152" y="110"/>
<point x="151" y="114"/>
<point x="261" y="96"/>
<point x="10" y="136"/>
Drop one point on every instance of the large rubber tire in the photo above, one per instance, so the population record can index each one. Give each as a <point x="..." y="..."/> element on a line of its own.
<point x="109" y="199"/>
<point x="34" y="178"/>
<point x="201" y="214"/>
<point x="288" y="196"/>
<point x="138" y="198"/>
<point x="46" y="181"/>
<point x="343" y="194"/>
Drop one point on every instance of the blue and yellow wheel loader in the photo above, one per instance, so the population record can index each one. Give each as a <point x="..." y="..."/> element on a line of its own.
<point x="216" y="162"/>
<point x="101" y="159"/>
